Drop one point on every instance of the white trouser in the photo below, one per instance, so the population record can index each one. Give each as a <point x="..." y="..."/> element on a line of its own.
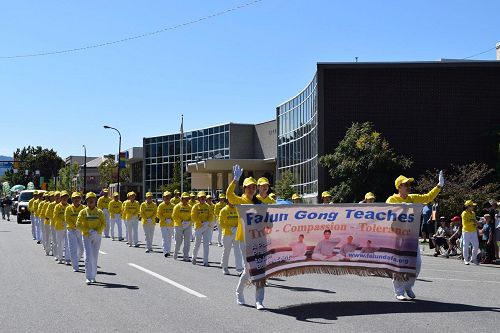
<point x="67" y="257"/>
<point x="132" y="230"/>
<point x="39" y="228"/>
<point x="92" y="243"/>
<point x="219" y="233"/>
<point x="470" y="238"/>
<point x="211" y="227"/>
<point x="229" y="243"/>
<point x="53" y="240"/>
<point x="149" y="231"/>
<point x="60" y="240"/>
<point x="182" y="234"/>
<point x="117" y="220"/>
<point x="33" y="225"/>
<point x="401" y="286"/>
<point x="46" y="238"/>
<point x="244" y="278"/>
<point x="106" y="217"/>
<point x="199" y="234"/>
<point x="166" y="235"/>
<point x="75" y="246"/>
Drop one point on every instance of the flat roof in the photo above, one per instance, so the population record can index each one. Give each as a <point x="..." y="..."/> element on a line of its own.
<point x="438" y="63"/>
<point x="219" y="165"/>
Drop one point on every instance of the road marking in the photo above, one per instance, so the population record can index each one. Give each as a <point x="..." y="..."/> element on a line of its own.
<point x="435" y="278"/>
<point x="164" y="279"/>
<point x="102" y="252"/>
<point x="472" y="272"/>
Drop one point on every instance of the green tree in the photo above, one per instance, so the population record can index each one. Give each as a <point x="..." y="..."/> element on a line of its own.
<point x="46" y="161"/>
<point x="175" y="183"/>
<point x="363" y="162"/>
<point x="475" y="181"/>
<point x="284" y="186"/>
<point x="66" y="175"/>
<point x="108" y="171"/>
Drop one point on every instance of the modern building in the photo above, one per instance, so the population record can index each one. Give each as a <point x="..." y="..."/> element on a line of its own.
<point x="209" y="155"/>
<point x="439" y="113"/>
<point x="134" y="160"/>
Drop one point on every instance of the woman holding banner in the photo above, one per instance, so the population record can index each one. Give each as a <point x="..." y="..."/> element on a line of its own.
<point x="250" y="188"/>
<point x="403" y="185"/>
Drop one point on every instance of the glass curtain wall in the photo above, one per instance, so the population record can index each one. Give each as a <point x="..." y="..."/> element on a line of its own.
<point x="298" y="139"/>
<point x="162" y="152"/>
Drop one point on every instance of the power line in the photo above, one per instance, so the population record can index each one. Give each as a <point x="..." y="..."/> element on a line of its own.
<point x="148" y="34"/>
<point x="477" y="54"/>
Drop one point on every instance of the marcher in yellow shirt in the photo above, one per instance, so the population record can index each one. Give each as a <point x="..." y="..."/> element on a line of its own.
<point x="164" y="214"/>
<point x="60" y="227"/>
<point x="177" y="198"/>
<point x="403" y="185"/>
<point x="115" y="216"/>
<point x="148" y="218"/>
<point x="102" y="204"/>
<point x="296" y="198"/>
<point x="131" y="209"/>
<point x="32" y="214"/>
<point x="469" y="233"/>
<point x="182" y="225"/>
<point x="74" y="236"/>
<point x="213" y="221"/>
<point x="49" y="214"/>
<point x="229" y="224"/>
<point x="249" y="190"/>
<point x="263" y="191"/>
<point x="91" y="222"/>
<point x="46" y="234"/>
<point x="201" y="216"/>
<point x="217" y="208"/>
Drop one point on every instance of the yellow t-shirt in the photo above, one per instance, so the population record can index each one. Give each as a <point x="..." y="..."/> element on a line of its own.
<point x="71" y="215"/>
<point x="469" y="222"/>
<point x="103" y="202"/>
<point x="237" y="200"/>
<point x="148" y="211"/>
<point x="91" y="219"/>
<point x="114" y="208"/>
<point x="200" y="213"/>
<point x="164" y="213"/>
<point x="131" y="209"/>
<point x="59" y="218"/>
<point x="228" y="220"/>
<point x="181" y="213"/>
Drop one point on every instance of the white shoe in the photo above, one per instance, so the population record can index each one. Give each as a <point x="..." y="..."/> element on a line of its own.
<point x="93" y="280"/>
<point x="410" y="293"/>
<point x="467" y="263"/>
<point x="175" y="256"/>
<point x="87" y="281"/>
<point x="401" y="297"/>
<point x="147" y="251"/>
<point x="259" y="306"/>
<point x="225" y="271"/>
<point x="193" y="261"/>
<point x="75" y="270"/>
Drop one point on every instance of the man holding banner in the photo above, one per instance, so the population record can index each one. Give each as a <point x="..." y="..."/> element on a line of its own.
<point x="403" y="185"/>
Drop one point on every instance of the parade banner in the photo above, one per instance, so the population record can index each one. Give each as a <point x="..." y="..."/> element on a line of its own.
<point x="363" y="239"/>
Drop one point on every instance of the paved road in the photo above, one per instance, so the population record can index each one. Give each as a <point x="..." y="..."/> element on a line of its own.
<point x="38" y="295"/>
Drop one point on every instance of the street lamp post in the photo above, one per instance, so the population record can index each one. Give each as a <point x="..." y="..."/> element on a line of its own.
<point x="119" y="150"/>
<point x="84" y="169"/>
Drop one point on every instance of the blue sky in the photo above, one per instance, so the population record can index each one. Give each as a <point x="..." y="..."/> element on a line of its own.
<point x="236" y="67"/>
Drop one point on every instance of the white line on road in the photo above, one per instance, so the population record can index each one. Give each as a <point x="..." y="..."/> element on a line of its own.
<point x="102" y="252"/>
<point x="471" y="272"/>
<point x="164" y="279"/>
<point x="435" y="278"/>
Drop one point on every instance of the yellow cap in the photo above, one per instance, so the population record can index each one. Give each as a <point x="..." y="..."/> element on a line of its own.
<point x="63" y="193"/>
<point x="75" y="195"/>
<point x="167" y="194"/>
<point x="202" y="194"/>
<point x="296" y="196"/>
<point x="105" y="190"/>
<point x="369" y="195"/>
<point x="90" y="195"/>
<point x="149" y="195"/>
<point x="470" y="203"/>
<point x="249" y="181"/>
<point x="56" y="193"/>
<point x="116" y="194"/>
<point x="185" y="195"/>
<point x="177" y="192"/>
<point x="46" y="194"/>
<point x="209" y="196"/>
<point x="192" y="194"/>
<point x="402" y="180"/>
<point x="35" y="192"/>
<point x="262" y="181"/>
<point x="222" y="196"/>
<point x="131" y="193"/>
<point x="326" y="194"/>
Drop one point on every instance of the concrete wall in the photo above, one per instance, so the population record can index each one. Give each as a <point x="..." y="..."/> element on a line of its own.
<point x="241" y="141"/>
<point x="265" y="140"/>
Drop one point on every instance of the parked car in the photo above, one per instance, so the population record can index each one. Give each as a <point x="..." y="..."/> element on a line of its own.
<point x="22" y="205"/>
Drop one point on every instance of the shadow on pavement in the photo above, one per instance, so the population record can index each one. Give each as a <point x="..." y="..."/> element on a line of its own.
<point x="333" y="310"/>
<point x="115" y="286"/>
<point x="300" y="288"/>
<point x="105" y="273"/>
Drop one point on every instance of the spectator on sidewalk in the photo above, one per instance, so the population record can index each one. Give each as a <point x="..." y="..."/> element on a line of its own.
<point x="426" y="222"/>
<point x="6" y="207"/>
<point x="442" y="236"/>
<point x="488" y="237"/>
<point x="456" y="234"/>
